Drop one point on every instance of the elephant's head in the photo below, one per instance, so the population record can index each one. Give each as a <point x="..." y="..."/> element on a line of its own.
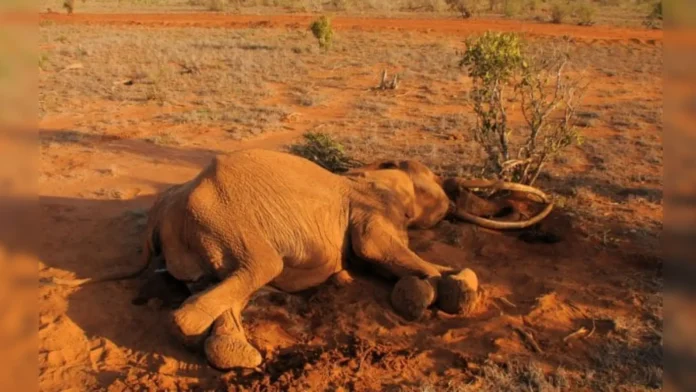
<point x="422" y="186"/>
<point x="434" y="198"/>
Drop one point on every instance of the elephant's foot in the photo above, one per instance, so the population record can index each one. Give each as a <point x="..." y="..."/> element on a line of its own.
<point x="412" y="296"/>
<point x="227" y="347"/>
<point x="342" y="279"/>
<point x="226" y="352"/>
<point x="191" y="323"/>
<point x="458" y="294"/>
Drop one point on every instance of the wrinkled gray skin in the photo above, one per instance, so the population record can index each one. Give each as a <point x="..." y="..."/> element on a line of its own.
<point x="256" y="217"/>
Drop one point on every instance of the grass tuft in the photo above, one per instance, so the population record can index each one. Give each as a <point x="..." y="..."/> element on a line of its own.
<point x="325" y="151"/>
<point x="322" y="31"/>
<point x="559" y="13"/>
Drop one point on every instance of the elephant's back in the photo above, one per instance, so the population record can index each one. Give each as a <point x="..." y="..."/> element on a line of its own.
<point x="278" y="166"/>
<point x="272" y="175"/>
<point x="299" y="207"/>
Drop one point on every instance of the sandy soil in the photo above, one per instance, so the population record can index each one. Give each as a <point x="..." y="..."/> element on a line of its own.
<point x="105" y="154"/>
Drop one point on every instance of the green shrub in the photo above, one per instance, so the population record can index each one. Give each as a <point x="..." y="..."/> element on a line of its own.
<point x="533" y="5"/>
<point x="69" y="6"/>
<point x="657" y="10"/>
<point x="503" y="71"/>
<point x="434" y="5"/>
<point x="466" y="8"/>
<point x="586" y="14"/>
<point x="43" y="61"/>
<point x="559" y="13"/>
<point x="512" y="8"/>
<point x="322" y="31"/>
<point x="495" y="5"/>
<point x="654" y="19"/>
<point x="493" y="56"/>
<point x="325" y="151"/>
<point x="217" y="5"/>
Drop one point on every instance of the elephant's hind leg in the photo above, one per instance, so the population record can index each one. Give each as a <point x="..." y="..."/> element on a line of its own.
<point x="194" y="318"/>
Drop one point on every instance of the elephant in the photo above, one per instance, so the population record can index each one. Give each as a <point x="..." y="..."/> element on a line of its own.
<point x="259" y="218"/>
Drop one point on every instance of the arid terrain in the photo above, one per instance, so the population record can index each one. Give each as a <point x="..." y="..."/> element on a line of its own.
<point x="133" y="102"/>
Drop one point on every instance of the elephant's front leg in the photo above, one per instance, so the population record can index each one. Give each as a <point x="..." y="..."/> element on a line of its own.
<point x="379" y="243"/>
<point x="421" y="283"/>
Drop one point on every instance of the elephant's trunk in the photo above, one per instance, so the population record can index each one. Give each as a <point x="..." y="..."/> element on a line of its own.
<point x="471" y="208"/>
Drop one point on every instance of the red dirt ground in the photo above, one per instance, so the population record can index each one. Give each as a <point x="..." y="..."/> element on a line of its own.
<point x="93" y="338"/>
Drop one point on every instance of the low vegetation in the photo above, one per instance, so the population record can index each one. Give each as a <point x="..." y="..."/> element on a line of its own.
<point x="559" y="12"/>
<point x="520" y="376"/>
<point x="465" y="8"/>
<point x="654" y="19"/>
<point x="217" y="5"/>
<point x="322" y="31"/>
<point x="325" y="151"/>
<point x="512" y="8"/>
<point x="585" y="14"/>
<point x="69" y="6"/>
<point x="619" y="12"/>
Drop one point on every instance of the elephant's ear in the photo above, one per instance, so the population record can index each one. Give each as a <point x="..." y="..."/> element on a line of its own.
<point x="471" y="208"/>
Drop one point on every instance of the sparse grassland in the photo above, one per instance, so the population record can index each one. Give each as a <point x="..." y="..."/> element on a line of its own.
<point x="127" y="111"/>
<point x="619" y="12"/>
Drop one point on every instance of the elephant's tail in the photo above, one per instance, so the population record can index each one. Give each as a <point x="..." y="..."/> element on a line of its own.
<point x="151" y="249"/>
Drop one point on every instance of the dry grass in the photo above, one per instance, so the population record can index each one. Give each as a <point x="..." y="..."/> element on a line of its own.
<point x="620" y="12"/>
<point x="141" y="65"/>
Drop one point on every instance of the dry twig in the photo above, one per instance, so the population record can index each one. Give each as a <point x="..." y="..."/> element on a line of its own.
<point x="73" y="67"/>
<point x="594" y="327"/>
<point x="575" y="334"/>
<point x="507" y="302"/>
<point x="529" y="339"/>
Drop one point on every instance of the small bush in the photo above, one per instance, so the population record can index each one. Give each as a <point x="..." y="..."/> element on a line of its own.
<point x="533" y="5"/>
<point x="495" y="5"/>
<point x="325" y="151"/>
<point x="435" y="5"/>
<point x="217" y="5"/>
<point x="69" y="6"/>
<point x="559" y="13"/>
<point x="586" y="14"/>
<point x="43" y="61"/>
<point x="657" y="11"/>
<point x="322" y="31"/>
<point x="512" y="8"/>
<point x="654" y="19"/>
<point x="466" y="8"/>
<point x="493" y="56"/>
<point x="422" y="5"/>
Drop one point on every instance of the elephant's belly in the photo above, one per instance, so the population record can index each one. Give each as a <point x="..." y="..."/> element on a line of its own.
<point x="294" y="279"/>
